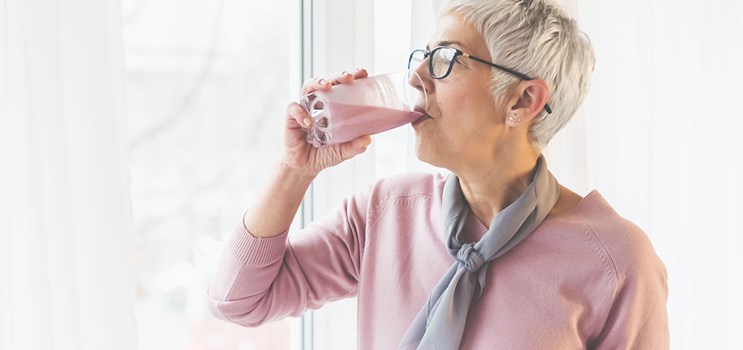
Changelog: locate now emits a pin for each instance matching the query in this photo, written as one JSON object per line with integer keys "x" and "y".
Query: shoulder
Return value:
{"x": 626, "y": 246}
{"x": 407, "y": 185}
{"x": 634, "y": 314}
{"x": 407, "y": 194}
{"x": 369, "y": 202}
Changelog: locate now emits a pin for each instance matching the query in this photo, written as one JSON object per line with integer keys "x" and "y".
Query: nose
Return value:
{"x": 419, "y": 98}
{"x": 422, "y": 80}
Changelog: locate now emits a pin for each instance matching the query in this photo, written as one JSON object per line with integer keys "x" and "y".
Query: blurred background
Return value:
{"x": 135, "y": 133}
{"x": 205, "y": 92}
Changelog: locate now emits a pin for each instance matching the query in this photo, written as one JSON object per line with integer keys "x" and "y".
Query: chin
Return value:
{"x": 426, "y": 154}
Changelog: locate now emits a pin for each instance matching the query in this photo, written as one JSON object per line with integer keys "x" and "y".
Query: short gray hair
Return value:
{"x": 539, "y": 39}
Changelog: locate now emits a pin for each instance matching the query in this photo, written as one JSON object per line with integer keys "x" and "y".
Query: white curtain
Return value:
{"x": 659, "y": 137}
{"x": 661, "y": 134}
{"x": 64, "y": 209}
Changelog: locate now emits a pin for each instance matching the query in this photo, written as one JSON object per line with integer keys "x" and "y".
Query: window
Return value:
{"x": 206, "y": 87}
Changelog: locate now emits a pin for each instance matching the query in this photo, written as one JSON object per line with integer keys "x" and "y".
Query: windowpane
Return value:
{"x": 207, "y": 84}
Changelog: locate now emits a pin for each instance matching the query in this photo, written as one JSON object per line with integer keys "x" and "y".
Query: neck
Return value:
{"x": 493, "y": 184}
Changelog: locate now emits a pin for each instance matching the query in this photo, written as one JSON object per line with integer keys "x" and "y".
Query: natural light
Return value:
{"x": 136, "y": 134}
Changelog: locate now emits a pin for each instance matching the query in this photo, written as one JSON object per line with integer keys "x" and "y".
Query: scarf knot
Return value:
{"x": 470, "y": 257}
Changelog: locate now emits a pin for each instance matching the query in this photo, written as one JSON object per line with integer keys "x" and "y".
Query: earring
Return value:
{"x": 514, "y": 120}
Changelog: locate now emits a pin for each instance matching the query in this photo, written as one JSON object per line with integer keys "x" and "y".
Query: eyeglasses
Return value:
{"x": 442, "y": 58}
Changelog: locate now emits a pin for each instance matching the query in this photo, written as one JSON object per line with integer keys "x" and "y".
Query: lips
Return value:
{"x": 425, "y": 116}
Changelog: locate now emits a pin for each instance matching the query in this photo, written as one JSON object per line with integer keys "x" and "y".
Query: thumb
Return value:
{"x": 356, "y": 147}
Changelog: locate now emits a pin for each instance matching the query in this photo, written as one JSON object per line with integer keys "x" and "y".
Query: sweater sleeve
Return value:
{"x": 259, "y": 280}
{"x": 637, "y": 317}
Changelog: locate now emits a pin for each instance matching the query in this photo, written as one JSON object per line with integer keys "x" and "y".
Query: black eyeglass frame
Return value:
{"x": 458, "y": 52}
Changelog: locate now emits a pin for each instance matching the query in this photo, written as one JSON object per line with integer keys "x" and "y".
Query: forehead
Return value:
{"x": 452, "y": 28}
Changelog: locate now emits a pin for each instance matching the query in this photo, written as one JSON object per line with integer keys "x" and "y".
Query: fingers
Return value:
{"x": 315, "y": 84}
{"x": 345, "y": 77}
{"x": 362, "y": 142}
{"x": 360, "y": 73}
{"x": 298, "y": 116}
{"x": 353, "y": 148}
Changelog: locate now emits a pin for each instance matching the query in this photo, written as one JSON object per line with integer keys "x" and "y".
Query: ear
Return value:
{"x": 527, "y": 101}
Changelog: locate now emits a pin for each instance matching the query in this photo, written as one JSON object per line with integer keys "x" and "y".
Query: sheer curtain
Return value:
{"x": 658, "y": 136}
{"x": 662, "y": 145}
{"x": 64, "y": 210}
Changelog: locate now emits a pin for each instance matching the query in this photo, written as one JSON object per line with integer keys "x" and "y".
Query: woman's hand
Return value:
{"x": 301, "y": 156}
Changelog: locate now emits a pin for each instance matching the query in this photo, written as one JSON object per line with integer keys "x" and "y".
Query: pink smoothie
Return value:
{"x": 348, "y": 122}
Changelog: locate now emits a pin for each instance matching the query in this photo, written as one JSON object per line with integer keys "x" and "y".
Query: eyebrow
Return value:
{"x": 446, "y": 43}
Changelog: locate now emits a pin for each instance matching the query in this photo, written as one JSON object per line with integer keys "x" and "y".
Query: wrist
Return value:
{"x": 298, "y": 175}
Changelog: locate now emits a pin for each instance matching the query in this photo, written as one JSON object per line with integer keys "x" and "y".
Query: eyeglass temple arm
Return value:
{"x": 511, "y": 71}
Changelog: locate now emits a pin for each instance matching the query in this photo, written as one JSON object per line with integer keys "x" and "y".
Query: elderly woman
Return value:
{"x": 497, "y": 255}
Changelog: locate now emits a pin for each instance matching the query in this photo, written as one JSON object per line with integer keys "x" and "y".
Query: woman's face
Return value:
{"x": 466, "y": 126}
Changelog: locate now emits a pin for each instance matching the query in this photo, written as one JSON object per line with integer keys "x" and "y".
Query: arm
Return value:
{"x": 262, "y": 276}
{"x": 263, "y": 279}
{"x": 275, "y": 210}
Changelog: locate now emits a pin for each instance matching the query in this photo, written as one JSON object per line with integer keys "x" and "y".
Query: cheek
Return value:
{"x": 454, "y": 107}
{"x": 466, "y": 112}
{"x": 452, "y": 95}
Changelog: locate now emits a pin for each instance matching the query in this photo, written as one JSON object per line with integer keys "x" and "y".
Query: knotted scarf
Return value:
{"x": 440, "y": 322}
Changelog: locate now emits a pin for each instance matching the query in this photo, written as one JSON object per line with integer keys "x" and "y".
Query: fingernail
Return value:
{"x": 359, "y": 69}
{"x": 306, "y": 121}
{"x": 345, "y": 73}
{"x": 322, "y": 81}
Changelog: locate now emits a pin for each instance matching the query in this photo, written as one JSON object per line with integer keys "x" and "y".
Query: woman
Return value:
{"x": 497, "y": 255}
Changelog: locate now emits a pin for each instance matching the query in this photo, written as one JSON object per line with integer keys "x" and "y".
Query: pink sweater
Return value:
{"x": 586, "y": 278}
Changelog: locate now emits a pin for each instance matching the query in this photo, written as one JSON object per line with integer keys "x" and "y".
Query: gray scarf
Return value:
{"x": 440, "y": 323}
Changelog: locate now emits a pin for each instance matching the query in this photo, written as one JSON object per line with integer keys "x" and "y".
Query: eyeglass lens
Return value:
{"x": 440, "y": 61}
